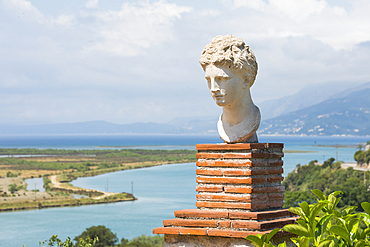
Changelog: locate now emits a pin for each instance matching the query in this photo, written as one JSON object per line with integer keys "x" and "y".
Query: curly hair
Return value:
{"x": 230, "y": 51}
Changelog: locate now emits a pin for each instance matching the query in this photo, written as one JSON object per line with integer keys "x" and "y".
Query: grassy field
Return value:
{"x": 70, "y": 161}
{"x": 59, "y": 167}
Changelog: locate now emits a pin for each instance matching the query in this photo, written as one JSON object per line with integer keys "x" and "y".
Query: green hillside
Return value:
{"x": 328, "y": 178}
{"x": 349, "y": 115}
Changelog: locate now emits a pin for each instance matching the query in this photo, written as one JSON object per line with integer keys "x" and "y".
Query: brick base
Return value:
{"x": 239, "y": 193}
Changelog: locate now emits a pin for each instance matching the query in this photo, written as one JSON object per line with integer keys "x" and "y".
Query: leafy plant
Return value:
{"x": 55, "y": 241}
{"x": 321, "y": 224}
{"x": 264, "y": 240}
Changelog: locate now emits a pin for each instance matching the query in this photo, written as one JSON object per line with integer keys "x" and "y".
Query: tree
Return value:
{"x": 105, "y": 236}
{"x": 143, "y": 241}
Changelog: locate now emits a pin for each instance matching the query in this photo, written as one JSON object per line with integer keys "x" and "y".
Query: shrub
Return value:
{"x": 321, "y": 224}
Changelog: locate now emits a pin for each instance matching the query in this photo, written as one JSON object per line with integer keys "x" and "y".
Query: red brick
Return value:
{"x": 275, "y": 145}
{"x": 233, "y": 189}
{"x": 223, "y": 163}
{"x": 263, "y": 215}
{"x": 275, "y": 171}
{"x": 209, "y": 156}
{"x": 230, "y": 163}
{"x": 225, "y": 146}
{"x": 237, "y": 155}
{"x": 224, "y": 198}
{"x": 224, "y": 224}
{"x": 276, "y": 196}
{"x": 193, "y": 231}
{"x": 230, "y": 233}
{"x": 238, "y": 173}
{"x": 266, "y": 155}
{"x": 210, "y": 172}
{"x": 276, "y": 204}
{"x": 269, "y": 189}
{"x": 166, "y": 230}
{"x": 259, "y": 205}
{"x": 259, "y": 163}
{"x": 270, "y": 224}
{"x": 196, "y": 213}
{"x": 227, "y": 180}
{"x": 209, "y": 188}
{"x": 190, "y": 223}
{"x": 252, "y": 190}
{"x": 275, "y": 179}
{"x": 262, "y": 225}
{"x": 276, "y": 163}
{"x": 223, "y": 205}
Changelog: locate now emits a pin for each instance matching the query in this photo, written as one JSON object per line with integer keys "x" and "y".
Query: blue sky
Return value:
{"x": 137, "y": 61}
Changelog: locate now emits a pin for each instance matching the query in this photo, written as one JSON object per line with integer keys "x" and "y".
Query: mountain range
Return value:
{"x": 330, "y": 109}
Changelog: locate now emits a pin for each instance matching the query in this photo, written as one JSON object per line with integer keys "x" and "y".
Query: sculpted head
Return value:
{"x": 232, "y": 53}
{"x": 230, "y": 69}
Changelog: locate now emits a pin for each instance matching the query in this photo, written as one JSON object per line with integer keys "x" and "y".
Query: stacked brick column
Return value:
{"x": 240, "y": 176}
{"x": 239, "y": 193}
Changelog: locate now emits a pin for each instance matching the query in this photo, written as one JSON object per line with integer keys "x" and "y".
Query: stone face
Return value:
{"x": 230, "y": 70}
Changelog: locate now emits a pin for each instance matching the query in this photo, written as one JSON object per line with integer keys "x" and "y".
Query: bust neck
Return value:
{"x": 239, "y": 122}
{"x": 238, "y": 112}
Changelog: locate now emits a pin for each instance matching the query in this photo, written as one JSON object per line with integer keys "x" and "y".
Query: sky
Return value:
{"x": 138, "y": 61}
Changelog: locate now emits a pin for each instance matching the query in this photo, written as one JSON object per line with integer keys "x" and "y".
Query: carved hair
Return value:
{"x": 230, "y": 51}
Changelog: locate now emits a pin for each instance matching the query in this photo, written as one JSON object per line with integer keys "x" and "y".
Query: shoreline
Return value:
{"x": 95, "y": 196}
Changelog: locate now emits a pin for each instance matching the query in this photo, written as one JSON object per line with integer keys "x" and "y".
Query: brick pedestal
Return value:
{"x": 239, "y": 193}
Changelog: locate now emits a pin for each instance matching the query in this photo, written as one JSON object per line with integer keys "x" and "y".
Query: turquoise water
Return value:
{"x": 35, "y": 184}
{"x": 161, "y": 190}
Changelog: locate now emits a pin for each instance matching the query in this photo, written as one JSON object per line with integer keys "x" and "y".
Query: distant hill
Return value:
{"x": 192, "y": 126}
{"x": 306, "y": 97}
{"x": 327, "y": 111}
{"x": 348, "y": 115}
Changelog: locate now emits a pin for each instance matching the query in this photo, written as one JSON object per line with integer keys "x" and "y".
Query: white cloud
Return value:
{"x": 332, "y": 25}
{"x": 139, "y": 61}
{"x": 136, "y": 26}
{"x": 92, "y": 4}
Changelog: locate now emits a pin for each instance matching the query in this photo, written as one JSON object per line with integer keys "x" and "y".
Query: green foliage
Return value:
{"x": 100, "y": 159}
{"x": 85, "y": 239}
{"x": 362, "y": 157}
{"x": 143, "y": 241}
{"x": 13, "y": 188}
{"x": 264, "y": 240}
{"x": 328, "y": 178}
{"x": 11, "y": 175}
{"x": 105, "y": 236}
{"x": 55, "y": 241}
{"x": 47, "y": 181}
{"x": 322, "y": 224}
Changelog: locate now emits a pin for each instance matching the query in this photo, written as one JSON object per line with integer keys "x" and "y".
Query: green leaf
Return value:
{"x": 342, "y": 232}
{"x": 319, "y": 194}
{"x": 305, "y": 242}
{"x": 337, "y": 213}
{"x": 351, "y": 223}
{"x": 255, "y": 240}
{"x": 325, "y": 243}
{"x": 366, "y": 207}
{"x": 271, "y": 234}
{"x": 296, "y": 229}
{"x": 314, "y": 211}
{"x": 360, "y": 243}
{"x": 348, "y": 210}
{"x": 297, "y": 211}
{"x": 302, "y": 223}
{"x": 335, "y": 193}
{"x": 305, "y": 208}
{"x": 282, "y": 244}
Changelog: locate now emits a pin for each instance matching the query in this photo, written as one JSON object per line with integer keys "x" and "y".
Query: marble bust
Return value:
{"x": 230, "y": 69}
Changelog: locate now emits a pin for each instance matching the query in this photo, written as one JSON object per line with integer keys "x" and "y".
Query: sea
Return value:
{"x": 160, "y": 190}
